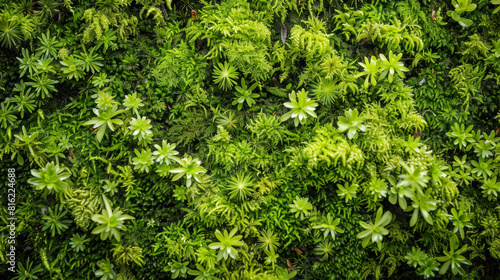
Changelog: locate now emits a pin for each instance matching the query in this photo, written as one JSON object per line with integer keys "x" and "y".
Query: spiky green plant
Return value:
{"x": 133, "y": 102}
{"x": 189, "y": 167}
{"x": 301, "y": 207}
{"x": 110, "y": 222}
{"x": 301, "y": 106}
{"x": 143, "y": 160}
{"x": 376, "y": 230}
{"x": 78, "y": 242}
{"x": 55, "y": 222}
{"x": 28, "y": 272}
{"x": 329, "y": 226}
{"x": 10, "y": 33}
{"x": 49, "y": 178}
{"x": 105, "y": 270}
{"x": 269, "y": 240}
{"x": 225, "y": 75}
{"x": 240, "y": 187}
{"x": 391, "y": 66}
{"x": 226, "y": 244}
{"x": 351, "y": 123}
{"x": 166, "y": 153}
{"x": 104, "y": 119}
{"x": 244, "y": 93}
{"x": 370, "y": 69}
{"x": 140, "y": 128}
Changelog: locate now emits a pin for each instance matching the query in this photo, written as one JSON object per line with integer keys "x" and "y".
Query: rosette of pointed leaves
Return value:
{"x": 48, "y": 46}
{"x": 391, "y": 66}
{"x": 105, "y": 119}
{"x": 370, "y": 69}
{"x": 351, "y": 123}
{"x": 166, "y": 153}
{"x": 271, "y": 257}
{"x": 189, "y": 167}
{"x": 300, "y": 207}
{"x": 462, "y": 135}
{"x": 163, "y": 170}
{"x": 460, "y": 220}
{"x": 428, "y": 267}
{"x": 284, "y": 274}
{"x": 377, "y": 188}
{"x": 133, "y": 102}
{"x": 484, "y": 149}
{"x": 225, "y": 75}
{"x": 324, "y": 249}
{"x": 72, "y": 68}
{"x": 90, "y": 61}
{"x": 28, "y": 272}
{"x": 140, "y": 127}
{"x": 27, "y": 63}
{"x": 422, "y": 204}
{"x": 10, "y": 34}
{"x": 226, "y": 244}
{"x": 44, "y": 65}
{"x": 375, "y": 231}
{"x": 105, "y": 270}
{"x": 110, "y": 222}
{"x": 105, "y": 99}
{"x": 414, "y": 178}
{"x": 177, "y": 269}
{"x": 245, "y": 93}
{"x": 269, "y": 240}
{"x": 7, "y": 115}
{"x": 301, "y": 106}
{"x": 416, "y": 257}
{"x": 110, "y": 187}
{"x": 399, "y": 193}
{"x": 329, "y": 226}
{"x": 240, "y": 186}
{"x": 204, "y": 273}
{"x": 484, "y": 168}
{"x": 43, "y": 86}
{"x": 346, "y": 191}
{"x": 100, "y": 80}
{"x": 453, "y": 258}
{"x": 25, "y": 102}
{"x": 78, "y": 242}
{"x": 49, "y": 178}
{"x": 491, "y": 188}
{"x": 143, "y": 160}
{"x": 54, "y": 221}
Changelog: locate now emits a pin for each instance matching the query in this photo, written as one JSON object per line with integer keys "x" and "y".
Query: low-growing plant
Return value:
{"x": 301, "y": 207}
{"x": 226, "y": 244}
{"x": 104, "y": 119}
{"x": 352, "y": 123}
{"x": 49, "y": 178}
{"x": 110, "y": 222}
{"x": 78, "y": 242}
{"x": 329, "y": 226}
{"x": 55, "y": 222}
{"x": 301, "y": 106}
{"x": 190, "y": 168}
{"x": 375, "y": 231}
{"x": 245, "y": 94}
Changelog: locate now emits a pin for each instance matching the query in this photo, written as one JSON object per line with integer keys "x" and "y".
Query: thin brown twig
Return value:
{"x": 50, "y": 24}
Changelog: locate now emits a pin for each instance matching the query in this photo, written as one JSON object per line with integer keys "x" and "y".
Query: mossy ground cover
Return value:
{"x": 280, "y": 139}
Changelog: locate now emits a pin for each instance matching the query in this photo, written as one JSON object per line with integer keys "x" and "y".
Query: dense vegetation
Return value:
{"x": 259, "y": 139}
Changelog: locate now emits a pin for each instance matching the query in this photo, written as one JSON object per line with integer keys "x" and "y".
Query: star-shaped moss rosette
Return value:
{"x": 301, "y": 106}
